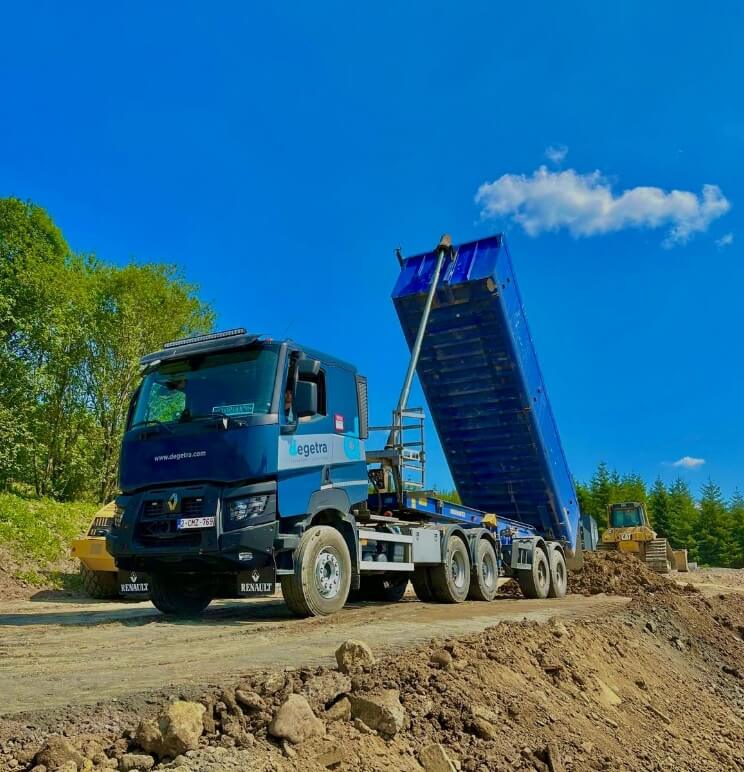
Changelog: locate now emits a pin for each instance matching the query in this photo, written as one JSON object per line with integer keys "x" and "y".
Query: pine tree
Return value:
{"x": 658, "y": 508}
{"x": 630, "y": 488}
{"x": 717, "y": 546}
{"x": 683, "y": 519}
{"x": 736, "y": 515}
{"x": 600, "y": 494}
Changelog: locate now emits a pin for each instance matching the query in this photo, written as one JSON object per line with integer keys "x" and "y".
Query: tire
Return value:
{"x": 421, "y": 581}
{"x": 450, "y": 581}
{"x": 484, "y": 580}
{"x": 535, "y": 582}
{"x": 179, "y": 595}
{"x": 101, "y": 585}
{"x": 322, "y": 574}
{"x": 388, "y": 588}
{"x": 558, "y": 575}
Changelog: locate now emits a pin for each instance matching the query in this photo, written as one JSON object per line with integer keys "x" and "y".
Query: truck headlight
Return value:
{"x": 239, "y": 510}
{"x": 118, "y": 515}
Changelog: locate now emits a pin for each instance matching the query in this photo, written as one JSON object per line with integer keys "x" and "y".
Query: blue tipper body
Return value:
{"x": 483, "y": 385}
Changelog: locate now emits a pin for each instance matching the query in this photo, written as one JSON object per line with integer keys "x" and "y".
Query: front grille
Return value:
{"x": 153, "y": 508}
{"x": 192, "y": 507}
{"x": 154, "y": 532}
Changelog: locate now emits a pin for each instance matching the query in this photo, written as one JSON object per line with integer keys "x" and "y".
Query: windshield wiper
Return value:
{"x": 215, "y": 414}
{"x": 152, "y": 422}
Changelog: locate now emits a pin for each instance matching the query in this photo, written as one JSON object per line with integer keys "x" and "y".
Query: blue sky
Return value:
{"x": 279, "y": 152}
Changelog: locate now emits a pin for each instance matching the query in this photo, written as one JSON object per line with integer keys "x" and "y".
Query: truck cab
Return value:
{"x": 234, "y": 445}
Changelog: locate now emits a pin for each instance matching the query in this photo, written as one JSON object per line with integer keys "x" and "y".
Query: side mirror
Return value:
{"x": 306, "y": 399}
{"x": 308, "y": 368}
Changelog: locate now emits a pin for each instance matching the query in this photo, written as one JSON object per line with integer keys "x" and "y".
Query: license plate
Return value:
{"x": 194, "y": 522}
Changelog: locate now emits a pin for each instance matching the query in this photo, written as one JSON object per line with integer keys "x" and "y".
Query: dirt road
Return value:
{"x": 56, "y": 653}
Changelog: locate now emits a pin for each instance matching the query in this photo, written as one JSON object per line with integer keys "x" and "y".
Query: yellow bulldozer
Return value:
{"x": 97, "y": 567}
{"x": 630, "y": 531}
{"x": 101, "y": 579}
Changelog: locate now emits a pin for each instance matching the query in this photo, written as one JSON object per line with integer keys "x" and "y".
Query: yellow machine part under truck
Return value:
{"x": 97, "y": 567}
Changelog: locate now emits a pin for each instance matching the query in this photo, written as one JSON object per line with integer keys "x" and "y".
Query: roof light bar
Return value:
{"x": 202, "y": 338}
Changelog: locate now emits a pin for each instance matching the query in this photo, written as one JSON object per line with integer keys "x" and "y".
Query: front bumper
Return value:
{"x": 149, "y": 539}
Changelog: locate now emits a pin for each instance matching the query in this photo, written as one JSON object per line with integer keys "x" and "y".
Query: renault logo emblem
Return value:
{"x": 173, "y": 502}
{"x": 255, "y": 575}
{"x": 133, "y": 577}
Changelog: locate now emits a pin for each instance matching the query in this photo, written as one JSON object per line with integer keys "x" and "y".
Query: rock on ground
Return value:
{"x": 326, "y": 687}
{"x": 176, "y": 730}
{"x": 339, "y": 711}
{"x": 381, "y": 711}
{"x": 56, "y": 752}
{"x": 132, "y": 761}
{"x": 352, "y": 655}
{"x": 433, "y": 758}
{"x": 295, "y": 721}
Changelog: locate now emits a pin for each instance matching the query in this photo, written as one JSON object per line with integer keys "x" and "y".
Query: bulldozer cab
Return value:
{"x": 628, "y": 514}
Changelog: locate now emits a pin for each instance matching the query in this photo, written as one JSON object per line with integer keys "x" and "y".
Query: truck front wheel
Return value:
{"x": 322, "y": 573}
{"x": 179, "y": 595}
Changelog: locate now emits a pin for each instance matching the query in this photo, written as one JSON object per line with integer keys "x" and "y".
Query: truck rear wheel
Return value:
{"x": 101, "y": 585}
{"x": 535, "y": 582}
{"x": 421, "y": 581}
{"x": 558, "y": 575}
{"x": 179, "y": 595}
{"x": 450, "y": 581}
{"x": 322, "y": 573}
{"x": 389, "y": 588}
{"x": 484, "y": 580}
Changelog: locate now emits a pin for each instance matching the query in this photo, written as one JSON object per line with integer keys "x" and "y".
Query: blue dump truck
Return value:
{"x": 247, "y": 462}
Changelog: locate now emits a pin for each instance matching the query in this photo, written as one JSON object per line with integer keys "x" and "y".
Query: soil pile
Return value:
{"x": 659, "y": 686}
{"x": 616, "y": 573}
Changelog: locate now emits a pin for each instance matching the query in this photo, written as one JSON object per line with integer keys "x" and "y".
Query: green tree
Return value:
{"x": 716, "y": 540}
{"x": 600, "y": 494}
{"x": 658, "y": 508}
{"x": 135, "y": 310}
{"x": 683, "y": 519}
{"x": 630, "y": 487}
{"x": 72, "y": 330}
{"x": 736, "y": 515}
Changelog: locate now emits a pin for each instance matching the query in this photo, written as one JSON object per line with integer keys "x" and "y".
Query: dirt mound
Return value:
{"x": 615, "y": 573}
{"x": 660, "y": 686}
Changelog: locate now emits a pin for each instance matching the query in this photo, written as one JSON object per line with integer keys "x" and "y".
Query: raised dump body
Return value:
{"x": 482, "y": 381}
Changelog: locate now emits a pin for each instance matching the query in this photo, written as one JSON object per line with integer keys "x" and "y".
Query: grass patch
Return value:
{"x": 39, "y": 531}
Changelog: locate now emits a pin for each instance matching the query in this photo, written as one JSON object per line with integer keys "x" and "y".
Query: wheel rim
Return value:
{"x": 457, "y": 569}
{"x": 542, "y": 572}
{"x": 560, "y": 574}
{"x": 327, "y": 573}
{"x": 488, "y": 569}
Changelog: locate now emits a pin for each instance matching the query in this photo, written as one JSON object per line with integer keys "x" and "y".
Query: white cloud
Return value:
{"x": 556, "y": 154}
{"x": 725, "y": 241}
{"x": 689, "y": 462}
{"x": 586, "y": 205}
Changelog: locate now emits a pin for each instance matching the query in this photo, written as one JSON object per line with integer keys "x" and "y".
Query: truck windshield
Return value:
{"x": 235, "y": 384}
{"x": 626, "y": 518}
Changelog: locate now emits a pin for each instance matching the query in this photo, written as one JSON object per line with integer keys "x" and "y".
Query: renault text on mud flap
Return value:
{"x": 252, "y": 584}
{"x": 134, "y": 584}
{"x": 181, "y": 455}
